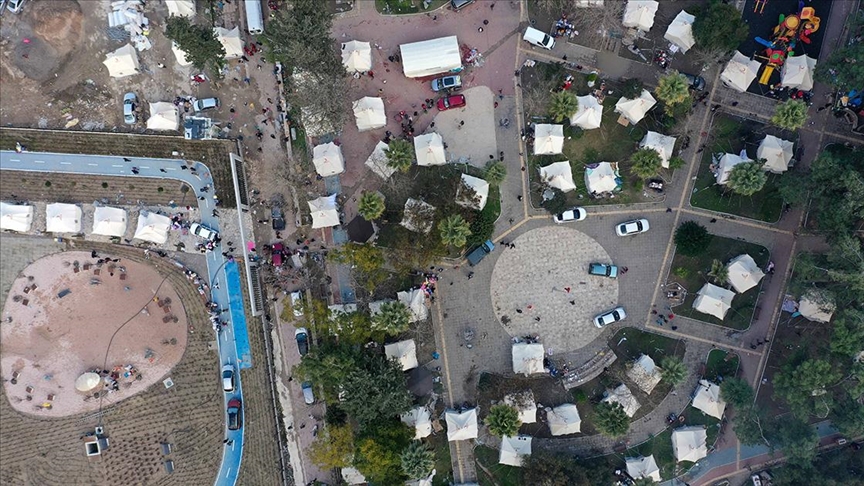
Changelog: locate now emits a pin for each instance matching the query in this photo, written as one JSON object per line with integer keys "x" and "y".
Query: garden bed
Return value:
{"x": 443, "y": 467}
{"x": 402, "y": 7}
{"x": 720, "y": 365}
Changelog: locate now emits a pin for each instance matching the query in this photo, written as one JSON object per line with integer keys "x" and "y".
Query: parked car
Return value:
{"x": 538, "y": 38}
{"x": 278, "y": 218}
{"x": 446, "y": 82}
{"x": 205, "y": 104}
{"x": 458, "y": 5}
{"x": 228, "y": 378}
{"x": 276, "y": 254}
{"x": 308, "y": 396}
{"x": 603, "y": 270}
{"x": 129, "y": 102}
{"x": 202, "y": 231}
{"x": 15, "y": 6}
{"x": 574, "y": 214}
{"x": 235, "y": 420}
{"x": 480, "y": 252}
{"x": 696, "y": 82}
{"x": 297, "y": 303}
{"x": 302, "y": 338}
{"x": 609, "y": 317}
{"x": 633, "y": 227}
{"x": 453, "y": 101}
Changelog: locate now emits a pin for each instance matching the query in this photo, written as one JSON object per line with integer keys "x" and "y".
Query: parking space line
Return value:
{"x": 39, "y": 161}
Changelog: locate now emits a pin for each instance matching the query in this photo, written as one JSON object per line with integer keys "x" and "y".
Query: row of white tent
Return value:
{"x": 743, "y": 274}
{"x": 428, "y": 150}
{"x": 797, "y": 72}
{"x": 419, "y": 59}
{"x": 777, "y": 153}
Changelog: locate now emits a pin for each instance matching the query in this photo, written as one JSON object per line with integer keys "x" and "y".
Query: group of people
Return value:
{"x": 216, "y": 316}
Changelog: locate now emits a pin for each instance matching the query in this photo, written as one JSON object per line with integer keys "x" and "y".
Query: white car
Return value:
{"x": 632, "y": 227}
{"x": 297, "y": 304}
{"x": 574, "y": 214}
{"x": 202, "y": 231}
{"x": 205, "y": 104}
{"x": 15, "y": 6}
{"x": 228, "y": 378}
{"x": 129, "y": 102}
{"x": 609, "y": 317}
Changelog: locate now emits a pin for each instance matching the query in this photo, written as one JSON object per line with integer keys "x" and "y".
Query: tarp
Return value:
{"x": 625, "y": 397}
{"x": 740, "y": 72}
{"x": 324, "y": 212}
{"x": 635, "y": 109}
{"x": 152, "y": 227}
{"x": 418, "y": 216}
{"x": 798, "y": 72}
{"x": 62, "y": 218}
{"x": 645, "y": 373}
{"x": 564, "y": 419}
{"x": 514, "y": 450}
{"x": 230, "y": 40}
{"x": 643, "y": 467}
{"x": 337, "y": 309}
{"x": 603, "y": 178}
{"x": 816, "y": 306}
{"x": 122, "y": 62}
{"x": 415, "y": 300}
{"x": 461, "y": 426}
{"x": 404, "y": 351}
{"x": 725, "y": 165}
{"x": 527, "y": 358}
{"x": 328, "y": 159}
{"x": 420, "y": 420}
{"x": 375, "y": 306}
{"x": 109, "y": 221}
{"x": 357, "y": 56}
{"x": 680, "y": 31}
{"x": 377, "y": 162}
{"x": 548, "y": 139}
{"x": 16, "y": 217}
{"x": 475, "y": 185}
{"x": 776, "y": 152}
{"x": 433, "y": 56}
{"x": 87, "y": 381}
{"x": 352, "y": 476}
{"x": 589, "y": 114}
{"x": 714, "y": 300}
{"x": 163, "y": 116}
{"x": 708, "y": 399}
{"x": 369, "y": 113}
{"x": 639, "y": 14}
{"x": 663, "y": 144}
{"x": 525, "y": 404}
{"x": 744, "y": 274}
{"x": 429, "y": 149}
{"x": 181, "y": 8}
{"x": 180, "y": 55}
{"x": 688, "y": 443}
{"x": 558, "y": 175}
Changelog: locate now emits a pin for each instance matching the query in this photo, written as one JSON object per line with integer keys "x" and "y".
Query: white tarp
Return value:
{"x": 514, "y": 450}
{"x": 639, "y": 14}
{"x": 725, "y": 165}
{"x": 352, "y": 476}
{"x": 377, "y": 162}
{"x": 635, "y": 109}
{"x": 558, "y": 175}
{"x": 525, "y": 404}
{"x": 324, "y": 212}
{"x": 420, "y": 420}
{"x": 328, "y": 159}
{"x": 357, "y": 56}
{"x": 433, "y": 56}
{"x": 16, "y": 217}
{"x": 230, "y": 40}
{"x": 604, "y": 178}
{"x": 548, "y": 139}
{"x": 109, "y": 221}
{"x": 405, "y": 352}
{"x": 816, "y": 307}
{"x": 87, "y": 381}
{"x": 645, "y": 373}
{"x": 62, "y": 218}
{"x": 418, "y": 216}
{"x": 643, "y": 467}
{"x": 680, "y": 31}
{"x": 152, "y": 227}
{"x": 415, "y": 300}
{"x": 589, "y": 114}
{"x": 625, "y": 397}
{"x": 798, "y": 72}
{"x": 714, "y": 300}
{"x": 708, "y": 399}
{"x": 181, "y": 8}
{"x": 527, "y": 358}
{"x": 740, "y": 72}
{"x": 776, "y": 152}
{"x": 180, "y": 55}
{"x": 375, "y": 306}
{"x": 122, "y": 62}
{"x": 744, "y": 274}
{"x": 338, "y": 309}
{"x": 461, "y": 426}
{"x": 663, "y": 144}
{"x": 163, "y": 116}
{"x": 429, "y": 149}
{"x": 480, "y": 189}
{"x": 688, "y": 443}
{"x": 369, "y": 113}
{"x": 564, "y": 419}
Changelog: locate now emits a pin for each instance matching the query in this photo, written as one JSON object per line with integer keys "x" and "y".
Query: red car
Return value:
{"x": 277, "y": 254}
{"x": 234, "y": 419}
{"x": 454, "y": 101}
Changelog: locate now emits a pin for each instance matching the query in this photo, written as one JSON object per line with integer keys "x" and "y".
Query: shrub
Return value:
{"x": 692, "y": 238}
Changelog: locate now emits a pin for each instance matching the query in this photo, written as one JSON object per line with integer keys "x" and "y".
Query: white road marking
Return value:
{"x": 65, "y": 163}
{"x": 117, "y": 165}
{"x": 39, "y": 161}
{"x": 93, "y": 165}
{"x": 228, "y": 472}
{"x": 14, "y": 160}
{"x": 143, "y": 167}
{"x": 170, "y": 168}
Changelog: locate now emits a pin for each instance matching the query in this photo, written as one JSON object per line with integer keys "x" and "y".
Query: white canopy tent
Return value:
{"x": 688, "y": 443}
{"x": 181, "y": 8}
{"x": 680, "y": 31}
{"x": 377, "y": 162}
{"x": 87, "y": 381}
{"x": 635, "y": 110}
{"x": 744, "y": 274}
{"x": 603, "y": 178}
{"x": 461, "y": 426}
{"x": 714, "y": 300}
{"x": 429, "y": 149}
{"x": 62, "y": 218}
{"x": 324, "y": 212}
{"x": 430, "y": 57}
{"x": 357, "y": 56}
{"x": 415, "y": 300}
{"x": 797, "y": 72}
{"x": 475, "y": 185}
{"x": 230, "y": 40}
{"x": 525, "y": 404}
{"x": 122, "y": 62}
{"x": 514, "y": 450}
{"x": 405, "y": 352}
{"x": 708, "y": 399}
{"x": 369, "y": 113}
{"x": 109, "y": 221}
{"x": 815, "y": 306}
{"x": 625, "y": 397}
{"x": 589, "y": 114}
{"x": 180, "y": 55}
{"x": 725, "y": 165}
{"x": 328, "y": 159}
{"x": 564, "y": 419}
{"x": 776, "y": 152}
{"x": 527, "y": 358}
{"x": 420, "y": 420}
{"x": 645, "y": 373}
{"x": 152, "y": 227}
{"x": 663, "y": 144}
{"x": 558, "y": 175}
{"x": 352, "y": 476}
{"x": 740, "y": 72}
{"x": 163, "y": 116}
{"x": 548, "y": 139}
{"x": 16, "y": 217}
{"x": 643, "y": 467}
{"x": 418, "y": 216}
{"x": 639, "y": 14}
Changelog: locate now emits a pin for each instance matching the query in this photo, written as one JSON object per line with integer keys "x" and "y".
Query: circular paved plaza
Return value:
{"x": 546, "y": 278}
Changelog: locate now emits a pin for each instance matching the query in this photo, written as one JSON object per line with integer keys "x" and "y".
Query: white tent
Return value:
{"x": 558, "y": 175}
{"x": 645, "y": 373}
{"x": 663, "y": 144}
{"x": 525, "y": 404}
{"x": 418, "y": 216}
{"x": 740, "y": 72}
{"x": 152, "y": 227}
{"x": 434, "y": 56}
{"x": 475, "y": 185}
{"x": 815, "y": 306}
{"x": 87, "y": 381}
{"x": 163, "y": 116}
{"x": 15, "y": 217}
{"x": 328, "y": 159}
{"x": 527, "y": 358}
{"x": 357, "y": 56}
{"x": 625, "y": 397}
{"x": 122, "y": 62}
{"x": 725, "y": 165}
{"x": 514, "y": 450}
{"x": 429, "y": 149}
{"x": 415, "y": 300}
{"x": 181, "y": 8}
{"x": 798, "y": 72}
{"x": 420, "y": 419}
{"x": 643, "y": 467}
{"x": 688, "y": 443}
{"x": 564, "y": 419}
{"x": 352, "y": 476}
{"x": 369, "y": 113}
{"x": 680, "y": 31}
{"x": 62, "y": 218}
{"x": 548, "y": 139}
{"x": 405, "y": 352}
{"x": 603, "y": 178}
{"x": 324, "y": 212}
{"x": 639, "y": 14}
{"x": 714, "y": 300}
{"x": 338, "y": 309}
{"x": 461, "y": 426}
{"x": 708, "y": 399}
{"x": 180, "y": 55}
{"x": 109, "y": 221}
{"x": 377, "y": 162}
{"x": 776, "y": 152}
{"x": 635, "y": 109}
{"x": 589, "y": 114}
{"x": 744, "y": 274}
{"x": 230, "y": 40}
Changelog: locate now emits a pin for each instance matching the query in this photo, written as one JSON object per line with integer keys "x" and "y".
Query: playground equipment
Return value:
{"x": 759, "y": 5}
{"x": 790, "y": 29}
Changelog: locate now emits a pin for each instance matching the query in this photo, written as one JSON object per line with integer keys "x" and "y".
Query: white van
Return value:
{"x": 254, "y": 18}
{"x": 538, "y": 38}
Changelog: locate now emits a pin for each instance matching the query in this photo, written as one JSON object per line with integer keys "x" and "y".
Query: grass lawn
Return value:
{"x": 720, "y": 365}
{"x": 691, "y": 273}
{"x": 444, "y": 469}
{"x": 399, "y": 7}
{"x": 661, "y": 447}
{"x": 502, "y": 475}
{"x": 694, "y": 416}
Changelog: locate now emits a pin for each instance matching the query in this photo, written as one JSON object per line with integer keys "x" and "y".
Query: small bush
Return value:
{"x": 580, "y": 396}
{"x": 681, "y": 272}
{"x": 160, "y": 190}
{"x": 692, "y": 238}
{"x": 47, "y": 183}
{"x": 104, "y": 185}
{"x": 131, "y": 187}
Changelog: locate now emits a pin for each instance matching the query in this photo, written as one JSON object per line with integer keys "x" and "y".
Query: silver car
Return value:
{"x": 609, "y": 317}
{"x": 129, "y": 102}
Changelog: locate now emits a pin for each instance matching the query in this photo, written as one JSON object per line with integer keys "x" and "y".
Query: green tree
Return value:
{"x": 790, "y": 115}
{"x": 366, "y": 262}
{"x": 495, "y": 173}
{"x": 691, "y": 238}
{"x": 327, "y": 365}
{"x": 747, "y": 178}
{"x": 844, "y": 68}
{"x": 562, "y": 105}
{"x": 370, "y": 206}
{"x": 503, "y": 421}
{"x": 454, "y": 231}
{"x": 546, "y": 469}
{"x": 378, "y": 452}
{"x": 673, "y": 89}
{"x": 393, "y": 318}
{"x": 672, "y": 369}
{"x": 300, "y": 37}
{"x": 557, "y": 204}
{"x": 632, "y": 88}
{"x": 720, "y": 27}
{"x": 400, "y": 154}
{"x": 847, "y": 333}
{"x": 611, "y": 420}
{"x": 751, "y": 425}
{"x": 333, "y": 448}
{"x": 719, "y": 273}
{"x": 802, "y": 384}
{"x": 645, "y": 163}
{"x": 375, "y": 390}
{"x": 793, "y": 187}
{"x": 798, "y": 441}
{"x": 848, "y": 417}
{"x": 737, "y": 392}
{"x": 417, "y": 460}
{"x": 200, "y": 44}
{"x": 837, "y": 191}
{"x": 676, "y": 163}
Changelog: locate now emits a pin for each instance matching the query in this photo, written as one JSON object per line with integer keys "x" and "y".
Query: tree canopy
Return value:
{"x": 836, "y": 186}
{"x": 334, "y": 447}
{"x": 417, "y": 460}
{"x": 844, "y": 67}
{"x": 673, "y": 370}
{"x": 495, "y": 172}
{"x": 611, "y": 419}
{"x": 798, "y": 440}
{"x": 378, "y": 452}
{"x": 400, "y": 154}
{"x": 802, "y": 384}
{"x": 545, "y": 469}
{"x": 454, "y": 231}
{"x": 673, "y": 89}
{"x": 393, "y": 318}
{"x": 790, "y": 115}
{"x": 503, "y": 421}
{"x": 375, "y": 390}
{"x": 562, "y": 105}
{"x": 200, "y": 44}
{"x": 747, "y": 178}
{"x": 645, "y": 163}
{"x": 691, "y": 238}
{"x": 720, "y": 27}
{"x": 370, "y": 206}
{"x": 366, "y": 261}
{"x": 328, "y": 365}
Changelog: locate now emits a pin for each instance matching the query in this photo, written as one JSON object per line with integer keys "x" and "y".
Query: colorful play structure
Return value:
{"x": 790, "y": 30}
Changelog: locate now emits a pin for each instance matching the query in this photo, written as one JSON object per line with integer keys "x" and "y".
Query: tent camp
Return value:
{"x": 639, "y": 14}
{"x": 369, "y": 113}
{"x": 525, "y": 404}
{"x": 461, "y": 426}
{"x": 180, "y": 55}
{"x": 714, "y": 300}
{"x": 429, "y": 149}
{"x": 776, "y": 152}
{"x": 602, "y": 177}
{"x": 798, "y": 72}
{"x": 430, "y": 57}
{"x": 688, "y": 443}
{"x": 625, "y": 397}
{"x": 404, "y": 351}
{"x": 816, "y": 306}
{"x": 558, "y": 175}
{"x": 122, "y": 62}
{"x": 109, "y": 221}
{"x": 643, "y": 467}
{"x": 420, "y": 420}
{"x": 62, "y": 218}
{"x": 708, "y": 399}
{"x": 726, "y": 163}
{"x": 472, "y": 192}
{"x": 514, "y": 450}
{"x": 645, "y": 373}
{"x": 324, "y": 212}
{"x": 740, "y": 72}
{"x": 152, "y": 227}
{"x": 230, "y": 40}
{"x": 377, "y": 162}
{"x": 181, "y": 8}
{"x": 357, "y": 56}
{"x": 635, "y": 110}
{"x": 744, "y": 274}
{"x": 328, "y": 159}
{"x": 589, "y": 114}
{"x": 415, "y": 300}
{"x": 663, "y": 144}
{"x": 564, "y": 419}
{"x": 163, "y": 116}
{"x": 16, "y": 217}
{"x": 527, "y": 358}
{"x": 418, "y": 216}
{"x": 680, "y": 31}
{"x": 548, "y": 139}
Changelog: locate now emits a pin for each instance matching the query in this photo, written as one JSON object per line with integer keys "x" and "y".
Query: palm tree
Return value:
{"x": 645, "y": 163}
{"x": 417, "y": 460}
{"x": 673, "y": 370}
{"x": 562, "y": 105}
{"x": 371, "y": 205}
{"x": 503, "y": 421}
{"x": 495, "y": 172}
{"x": 454, "y": 231}
{"x": 747, "y": 178}
{"x": 673, "y": 89}
{"x": 611, "y": 419}
{"x": 392, "y": 318}
{"x": 400, "y": 155}
{"x": 790, "y": 115}
{"x": 719, "y": 272}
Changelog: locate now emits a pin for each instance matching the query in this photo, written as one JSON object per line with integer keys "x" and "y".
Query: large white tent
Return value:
{"x": 477, "y": 188}
{"x": 816, "y": 306}
{"x": 798, "y": 72}
{"x": 122, "y": 62}
{"x": 420, "y": 420}
{"x": 589, "y": 114}
{"x": 16, "y": 217}
{"x": 643, "y": 467}
{"x": 152, "y": 227}
{"x": 109, "y": 221}
{"x": 663, "y": 144}
{"x": 680, "y": 31}
{"x": 230, "y": 40}
{"x": 708, "y": 399}
{"x": 369, "y": 113}
{"x": 548, "y": 139}
{"x": 430, "y": 57}
{"x": 625, "y": 397}
{"x": 639, "y": 14}
{"x": 688, "y": 443}
{"x": 645, "y": 374}
{"x": 357, "y": 56}
{"x": 62, "y": 218}
{"x": 603, "y": 178}
{"x": 744, "y": 274}
{"x": 352, "y": 476}
{"x": 418, "y": 216}
{"x": 776, "y": 152}
{"x": 404, "y": 351}
{"x": 514, "y": 450}
{"x": 635, "y": 109}
{"x": 564, "y": 419}
{"x": 415, "y": 300}
{"x": 461, "y": 426}
{"x": 726, "y": 163}
{"x": 527, "y": 358}
{"x": 429, "y": 149}
{"x": 87, "y": 381}
{"x": 324, "y": 212}
{"x": 180, "y": 54}
{"x": 328, "y": 159}
{"x": 714, "y": 300}
{"x": 740, "y": 72}
{"x": 163, "y": 116}
{"x": 377, "y": 162}
{"x": 558, "y": 175}
{"x": 524, "y": 404}
{"x": 181, "y": 8}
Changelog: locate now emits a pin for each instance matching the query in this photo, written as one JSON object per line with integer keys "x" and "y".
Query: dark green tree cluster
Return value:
{"x": 719, "y": 27}
{"x": 844, "y": 68}
{"x": 691, "y": 238}
{"x": 546, "y": 469}
{"x": 836, "y": 185}
{"x": 200, "y": 44}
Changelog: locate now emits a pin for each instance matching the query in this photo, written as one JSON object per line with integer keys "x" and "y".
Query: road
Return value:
{"x": 216, "y": 263}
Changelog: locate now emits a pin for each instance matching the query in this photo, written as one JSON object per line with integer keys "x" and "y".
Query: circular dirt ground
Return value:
{"x": 546, "y": 277}
{"x": 48, "y": 340}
